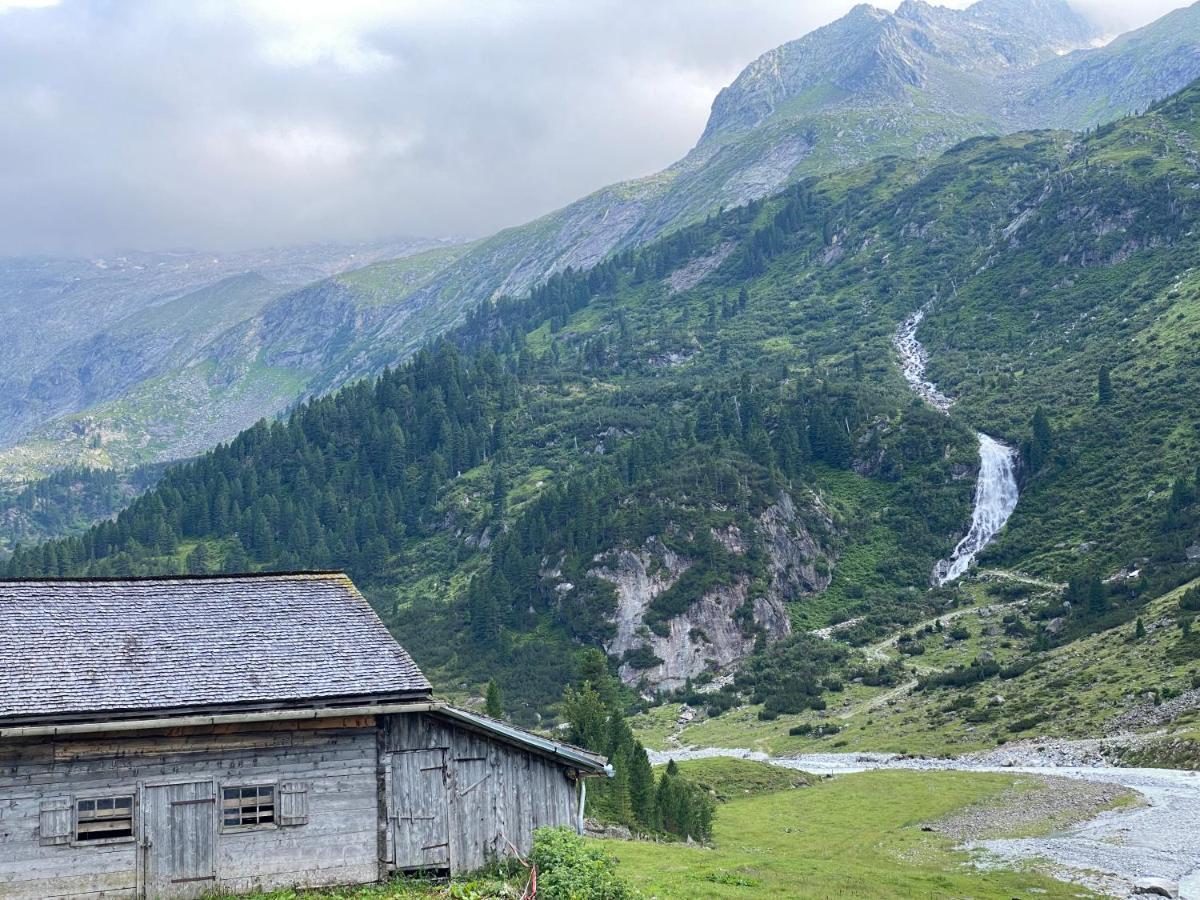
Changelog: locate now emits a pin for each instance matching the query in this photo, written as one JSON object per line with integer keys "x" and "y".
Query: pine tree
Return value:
{"x": 586, "y": 716}
{"x": 1096, "y": 600}
{"x": 620, "y": 804}
{"x": 1041, "y": 442}
{"x": 1103, "y": 387}
{"x": 493, "y": 703}
{"x": 641, "y": 788}
{"x": 198, "y": 562}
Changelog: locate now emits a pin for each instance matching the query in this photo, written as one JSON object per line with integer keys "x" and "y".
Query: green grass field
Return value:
{"x": 853, "y": 836}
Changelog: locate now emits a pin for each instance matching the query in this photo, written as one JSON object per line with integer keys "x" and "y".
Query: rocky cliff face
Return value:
{"x": 722, "y": 627}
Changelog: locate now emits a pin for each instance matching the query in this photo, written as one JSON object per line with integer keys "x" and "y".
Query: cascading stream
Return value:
{"x": 995, "y": 499}
{"x": 996, "y": 490}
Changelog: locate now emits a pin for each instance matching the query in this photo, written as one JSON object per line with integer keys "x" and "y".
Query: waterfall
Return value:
{"x": 995, "y": 499}
{"x": 996, "y": 490}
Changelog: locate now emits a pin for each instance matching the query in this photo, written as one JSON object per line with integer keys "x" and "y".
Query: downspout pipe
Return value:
{"x": 579, "y": 829}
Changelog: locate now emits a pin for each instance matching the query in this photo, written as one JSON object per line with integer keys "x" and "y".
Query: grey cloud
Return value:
{"x": 224, "y": 124}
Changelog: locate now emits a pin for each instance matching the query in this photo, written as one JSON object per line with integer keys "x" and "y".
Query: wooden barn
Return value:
{"x": 168, "y": 737}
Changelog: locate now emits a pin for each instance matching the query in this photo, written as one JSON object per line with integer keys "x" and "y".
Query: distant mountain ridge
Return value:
{"x": 90, "y": 345}
{"x": 873, "y": 83}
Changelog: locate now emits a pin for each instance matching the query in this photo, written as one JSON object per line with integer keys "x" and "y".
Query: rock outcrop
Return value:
{"x": 720, "y": 628}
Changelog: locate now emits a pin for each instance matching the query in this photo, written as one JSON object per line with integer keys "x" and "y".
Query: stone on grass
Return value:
{"x": 1156, "y": 887}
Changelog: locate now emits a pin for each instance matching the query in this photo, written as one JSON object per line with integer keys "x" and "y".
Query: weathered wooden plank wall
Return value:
{"x": 476, "y": 798}
{"x": 335, "y": 758}
{"x": 497, "y": 793}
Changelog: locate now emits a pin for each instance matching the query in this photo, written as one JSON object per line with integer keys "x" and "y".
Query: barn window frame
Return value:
{"x": 242, "y": 824}
{"x": 124, "y": 803}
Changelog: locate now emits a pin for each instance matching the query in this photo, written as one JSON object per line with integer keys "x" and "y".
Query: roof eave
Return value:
{"x": 299, "y": 707}
{"x": 586, "y": 763}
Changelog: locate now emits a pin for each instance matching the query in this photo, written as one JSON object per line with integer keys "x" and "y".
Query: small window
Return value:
{"x": 248, "y": 807}
{"x": 103, "y": 819}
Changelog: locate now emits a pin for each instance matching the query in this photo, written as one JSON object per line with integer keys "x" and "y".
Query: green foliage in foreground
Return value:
{"x": 571, "y": 868}
{"x": 568, "y": 867}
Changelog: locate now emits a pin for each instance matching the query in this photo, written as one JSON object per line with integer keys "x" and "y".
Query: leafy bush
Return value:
{"x": 1028, "y": 722}
{"x": 962, "y": 676}
{"x": 1017, "y": 668}
{"x": 641, "y": 658}
{"x": 791, "y": 675}
{"x": 1190, "y": 601}
{"x": 569, "y": 868}
{"x": 805, "y": 729}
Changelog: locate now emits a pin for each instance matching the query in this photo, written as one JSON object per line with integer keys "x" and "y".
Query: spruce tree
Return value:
{"x": 641, "y": 788}
{"x": 1041, "y": 442}
{"x": 1103, "y": 386}
{"x": 493, "y": 703}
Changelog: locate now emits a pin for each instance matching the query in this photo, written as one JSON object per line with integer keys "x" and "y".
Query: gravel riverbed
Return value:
{"x": 1158, "y": 837}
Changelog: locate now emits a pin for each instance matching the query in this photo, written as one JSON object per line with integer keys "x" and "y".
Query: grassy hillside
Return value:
{"x": 1110, "y": 681}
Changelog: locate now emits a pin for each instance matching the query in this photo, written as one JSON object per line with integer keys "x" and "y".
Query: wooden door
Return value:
{"x": 178, "y": 836}
{"x": 472, "y": 792}
{"x": 420, "y": 809}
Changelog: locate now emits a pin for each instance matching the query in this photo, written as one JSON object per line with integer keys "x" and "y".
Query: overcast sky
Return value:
{"x": 222, "y": 124}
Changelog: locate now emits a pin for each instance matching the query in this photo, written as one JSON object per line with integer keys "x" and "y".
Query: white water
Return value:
{"x": 995, "y": 499}
{"x": 913, "y": 360}
{"x": 996, "y": 490}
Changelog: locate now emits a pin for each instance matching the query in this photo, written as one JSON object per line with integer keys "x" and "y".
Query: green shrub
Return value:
{"x": 570, "y": 868}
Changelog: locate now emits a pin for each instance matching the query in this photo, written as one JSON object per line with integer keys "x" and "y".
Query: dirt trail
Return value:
{"x": 1010, "y": 575}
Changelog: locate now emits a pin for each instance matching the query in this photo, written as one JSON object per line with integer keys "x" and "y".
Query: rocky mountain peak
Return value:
{"x": 1051, "y": 24}
{"x": 871, "y": 53}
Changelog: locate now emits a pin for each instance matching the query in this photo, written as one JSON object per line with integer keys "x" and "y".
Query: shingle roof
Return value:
{"x": 69, "y": 648}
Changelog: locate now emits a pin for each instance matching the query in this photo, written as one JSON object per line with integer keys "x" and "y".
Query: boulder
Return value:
{"x": 1156, "y": 887}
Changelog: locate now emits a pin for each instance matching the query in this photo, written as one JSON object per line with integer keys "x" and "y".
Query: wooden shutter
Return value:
{"x": 55, "y": 821}
{"x": 293, "y": 803}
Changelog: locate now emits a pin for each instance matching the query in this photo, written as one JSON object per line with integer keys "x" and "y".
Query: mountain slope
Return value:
{"x": 692, "y": 453}
{"x": 911, "y": 83}
{"x": 88, "y": 341}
